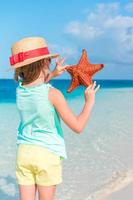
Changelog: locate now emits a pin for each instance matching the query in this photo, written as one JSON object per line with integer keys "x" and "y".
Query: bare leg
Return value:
{"x": 46, "y": 192}
{"x": 27, "y": 192}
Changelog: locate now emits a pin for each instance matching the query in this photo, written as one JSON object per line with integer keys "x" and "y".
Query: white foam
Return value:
{"x": 118, "y": 181}
{"x": 7, "y": 188}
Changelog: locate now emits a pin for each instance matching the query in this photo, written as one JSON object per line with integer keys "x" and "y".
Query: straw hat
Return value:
{"x": 29, "y": 50}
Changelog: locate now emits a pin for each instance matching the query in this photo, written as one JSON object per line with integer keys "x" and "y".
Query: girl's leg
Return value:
{"x": 46, "y": 192}
{"x": 27, "y": 192}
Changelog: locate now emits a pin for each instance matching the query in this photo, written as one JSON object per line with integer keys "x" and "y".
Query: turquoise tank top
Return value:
{"x": 39, "y": 120}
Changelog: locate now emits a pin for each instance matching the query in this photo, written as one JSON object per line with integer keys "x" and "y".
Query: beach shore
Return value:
{"x": 124, "y": 194}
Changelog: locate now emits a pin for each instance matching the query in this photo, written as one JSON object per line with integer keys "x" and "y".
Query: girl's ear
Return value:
{"x": 46, "y": 73}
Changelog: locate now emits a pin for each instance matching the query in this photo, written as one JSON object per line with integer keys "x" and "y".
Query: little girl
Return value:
{"x": 40, "y": 141}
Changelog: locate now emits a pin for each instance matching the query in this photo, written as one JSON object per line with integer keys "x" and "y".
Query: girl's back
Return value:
{"x": 40, "y": 122}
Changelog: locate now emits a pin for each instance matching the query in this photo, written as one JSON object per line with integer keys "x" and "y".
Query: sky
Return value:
{"x": 103, "y": 28}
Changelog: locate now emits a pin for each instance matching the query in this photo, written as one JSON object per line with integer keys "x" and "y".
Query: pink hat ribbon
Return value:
{"x": 20, "y": 57}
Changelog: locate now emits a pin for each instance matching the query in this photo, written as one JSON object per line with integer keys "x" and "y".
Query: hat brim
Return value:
{"x": 32, "y": 60}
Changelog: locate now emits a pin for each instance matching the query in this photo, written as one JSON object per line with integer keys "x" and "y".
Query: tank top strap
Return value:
{"x": 20, "y": 80}
{"x": 49, "y": 85}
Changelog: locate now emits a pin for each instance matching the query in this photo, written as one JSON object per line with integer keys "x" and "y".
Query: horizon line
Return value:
{"x": 70, "y": 79}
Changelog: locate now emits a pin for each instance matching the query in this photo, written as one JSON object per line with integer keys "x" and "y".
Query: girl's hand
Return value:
{"x": 59, "y": 68}
{"x": 90, "y": 93}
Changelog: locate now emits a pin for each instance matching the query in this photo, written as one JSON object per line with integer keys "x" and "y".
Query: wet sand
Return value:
{"x": 124, "y": 194}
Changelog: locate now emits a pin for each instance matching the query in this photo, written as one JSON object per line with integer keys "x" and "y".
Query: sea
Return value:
{"x": 100, "y": 159}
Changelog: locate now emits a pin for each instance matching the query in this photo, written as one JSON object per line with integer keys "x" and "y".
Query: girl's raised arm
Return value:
{"x": 76, "y": 123}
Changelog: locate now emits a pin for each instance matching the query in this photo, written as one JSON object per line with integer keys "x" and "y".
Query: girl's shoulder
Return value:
{"x": 20, "y": 85}
{"x": 55, "y": 95}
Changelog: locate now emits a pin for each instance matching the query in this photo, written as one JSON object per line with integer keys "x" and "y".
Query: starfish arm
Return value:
{"x": 74, "y": 84}
{"x": 84, "y": 59}
{"x": 70, "y": 68}
{"x": 95, "y": 68}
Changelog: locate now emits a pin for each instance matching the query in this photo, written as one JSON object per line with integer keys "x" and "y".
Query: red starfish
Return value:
{"x": 82, "y": 72}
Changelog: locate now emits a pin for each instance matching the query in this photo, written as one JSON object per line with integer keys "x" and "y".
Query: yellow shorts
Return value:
{"x": 37, "y": 165}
